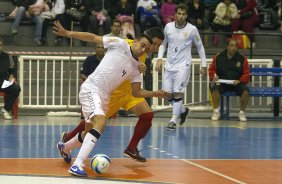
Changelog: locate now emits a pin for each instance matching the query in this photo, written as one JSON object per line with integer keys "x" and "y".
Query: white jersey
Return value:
{"x": 117, "y": 66}
{"x": 179, "y": 42}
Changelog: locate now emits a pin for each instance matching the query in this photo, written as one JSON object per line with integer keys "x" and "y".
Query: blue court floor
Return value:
{"x": 35, "y": 137}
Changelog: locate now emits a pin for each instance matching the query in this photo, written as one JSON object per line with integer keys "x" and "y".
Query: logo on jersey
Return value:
{"x": 91, "y": 101}
{"x": 185, "y": 35}
{"x": 198, "y": 38}
{"x": 238, "y": 64}
{"x": 124, "y": 72}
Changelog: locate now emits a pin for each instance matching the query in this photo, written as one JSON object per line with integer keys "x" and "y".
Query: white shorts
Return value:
{"x": 92, "y": 104}
{"x": 176, "y": 81}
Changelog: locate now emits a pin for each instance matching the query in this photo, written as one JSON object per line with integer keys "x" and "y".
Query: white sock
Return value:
{"x": 241, "y": 112}
{"x": 216, "y": 110}
{"x": 176, "y": 110}
{"x": 174, "y": 118}
{"x": 72, "y": 144}
{"x": 86, "y": 148}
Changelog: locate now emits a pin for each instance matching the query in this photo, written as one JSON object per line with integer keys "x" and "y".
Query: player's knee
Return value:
{"x": 147, "y": 117}
{"x": 177, "y": 97}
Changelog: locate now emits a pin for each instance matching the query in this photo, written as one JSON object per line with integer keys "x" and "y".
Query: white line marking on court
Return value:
{"x": 212, "y": 171}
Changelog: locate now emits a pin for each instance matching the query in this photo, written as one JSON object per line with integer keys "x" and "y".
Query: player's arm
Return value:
{"x": 161, "y": 52}
{"x": 201, "y": 50}
{"x": 138, "y": 92}
{"x": 84, "y": 36}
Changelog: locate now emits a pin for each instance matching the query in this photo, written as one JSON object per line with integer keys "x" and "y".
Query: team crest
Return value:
{"x": 238, "y": 64}
{"x": 185, "y": 35}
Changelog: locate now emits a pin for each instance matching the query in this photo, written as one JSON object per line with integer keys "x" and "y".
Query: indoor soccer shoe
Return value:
{"x": 183, "y": 116}
{"x": 65, "y": 156}
{"x": 77, "y": 171}
{"x": 134, "y": 154}
{"x": 171, "y": 126}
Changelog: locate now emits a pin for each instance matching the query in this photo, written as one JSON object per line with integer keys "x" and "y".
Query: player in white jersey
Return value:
{"x": 120, "y": 63}
{"x": 179, "y": 37}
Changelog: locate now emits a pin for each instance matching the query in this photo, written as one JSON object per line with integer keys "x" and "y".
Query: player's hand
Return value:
{"x": 203, "y": 70}
{"x": 59, "y": 30}
{"x": 142, "y": 67}
{"x": 159, "y": 65}
{"x": 161, "y": 94}
{"x": 236, "y": 82}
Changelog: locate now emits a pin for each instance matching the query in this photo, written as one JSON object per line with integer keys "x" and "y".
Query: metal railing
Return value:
{"x": 52, "y": 82}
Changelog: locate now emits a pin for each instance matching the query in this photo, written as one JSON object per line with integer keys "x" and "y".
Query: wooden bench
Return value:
{"x": 15, "y": 108}
{"x": 275, "y": 91}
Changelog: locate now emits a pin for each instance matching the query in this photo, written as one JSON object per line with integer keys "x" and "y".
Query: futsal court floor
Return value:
{"x": 198, "y": 152}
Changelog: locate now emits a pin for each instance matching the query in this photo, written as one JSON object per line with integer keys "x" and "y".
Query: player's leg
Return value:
{"x": 139, "y": 107}
{"x": 113, "y": 108}
{"x": 180, "y": 81}
{"x": 66, "y": 136}
{"x": 97, "y": 117}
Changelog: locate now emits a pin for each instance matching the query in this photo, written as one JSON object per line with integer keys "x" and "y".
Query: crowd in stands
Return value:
{"x": 97, "y": 16}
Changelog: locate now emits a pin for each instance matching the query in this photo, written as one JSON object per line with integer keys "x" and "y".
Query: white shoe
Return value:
{"x": 6, "y": 114}
{"x": 242, "y": 116}
{"x": 215, "y": 116}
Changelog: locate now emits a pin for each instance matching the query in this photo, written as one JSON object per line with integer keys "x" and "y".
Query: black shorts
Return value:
{"x": 238, "y": 89}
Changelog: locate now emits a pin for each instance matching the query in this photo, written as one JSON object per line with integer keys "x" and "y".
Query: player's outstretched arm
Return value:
{"x": 84, "y": 36}
{"x": 138, "y": 92}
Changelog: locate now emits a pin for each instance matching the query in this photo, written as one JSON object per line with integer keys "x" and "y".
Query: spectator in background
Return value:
{"x": 124, "y": 12}
{"x": 27, "y": 8}
{"x": 148, "y": 12}
{"x": 92, "y": 61}
{"x": 99, "y": 16}
{"x": 224, "y": 13}
{"x": 53, "y": 9}
{"x": 168, "y": 11}
{"x": 231, "y": 65}
{"x": 74, "y": 11}
{"x": 196, "y": 15}
{"x": 8, "y": 72}
{"x": 247, "y": 18}
{"x": 116, "y": 30}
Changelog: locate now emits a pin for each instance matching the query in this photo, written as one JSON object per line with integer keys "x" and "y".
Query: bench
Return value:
{"x": 275, "y": 91}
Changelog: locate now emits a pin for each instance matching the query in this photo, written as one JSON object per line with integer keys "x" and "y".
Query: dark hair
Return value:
{"x": 182, "y": 7}
{"x": 155, "y": 32}
{"x": 148, "y": 37}
{"x": 231, "y": 39}
{"x": 117, "y": 21}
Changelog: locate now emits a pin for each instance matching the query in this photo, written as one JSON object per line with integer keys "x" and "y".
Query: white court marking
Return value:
{"x": 212, "y": 171}
{"x": 9, "y": 179}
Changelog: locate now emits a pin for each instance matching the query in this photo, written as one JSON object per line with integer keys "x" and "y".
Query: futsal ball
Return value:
{"x": 100, "y": 163}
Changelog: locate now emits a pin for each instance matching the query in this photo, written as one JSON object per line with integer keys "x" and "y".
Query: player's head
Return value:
{"x": 157, "y": 36}
{"x": 231, "y": 46}
{"x": 116, "y": 26}
{"x": 141, "y": 45}
{"x": 181, "y": 14}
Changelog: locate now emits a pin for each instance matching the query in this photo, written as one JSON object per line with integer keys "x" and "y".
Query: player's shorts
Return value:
{"x": 177, "y": 80}
{"x": 126, "y": 102}
{"x": 238, "y": 89}
{"x": 92, "y": 104}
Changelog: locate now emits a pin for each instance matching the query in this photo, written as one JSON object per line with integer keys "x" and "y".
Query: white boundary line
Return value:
{"x": 212, "y": 171}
